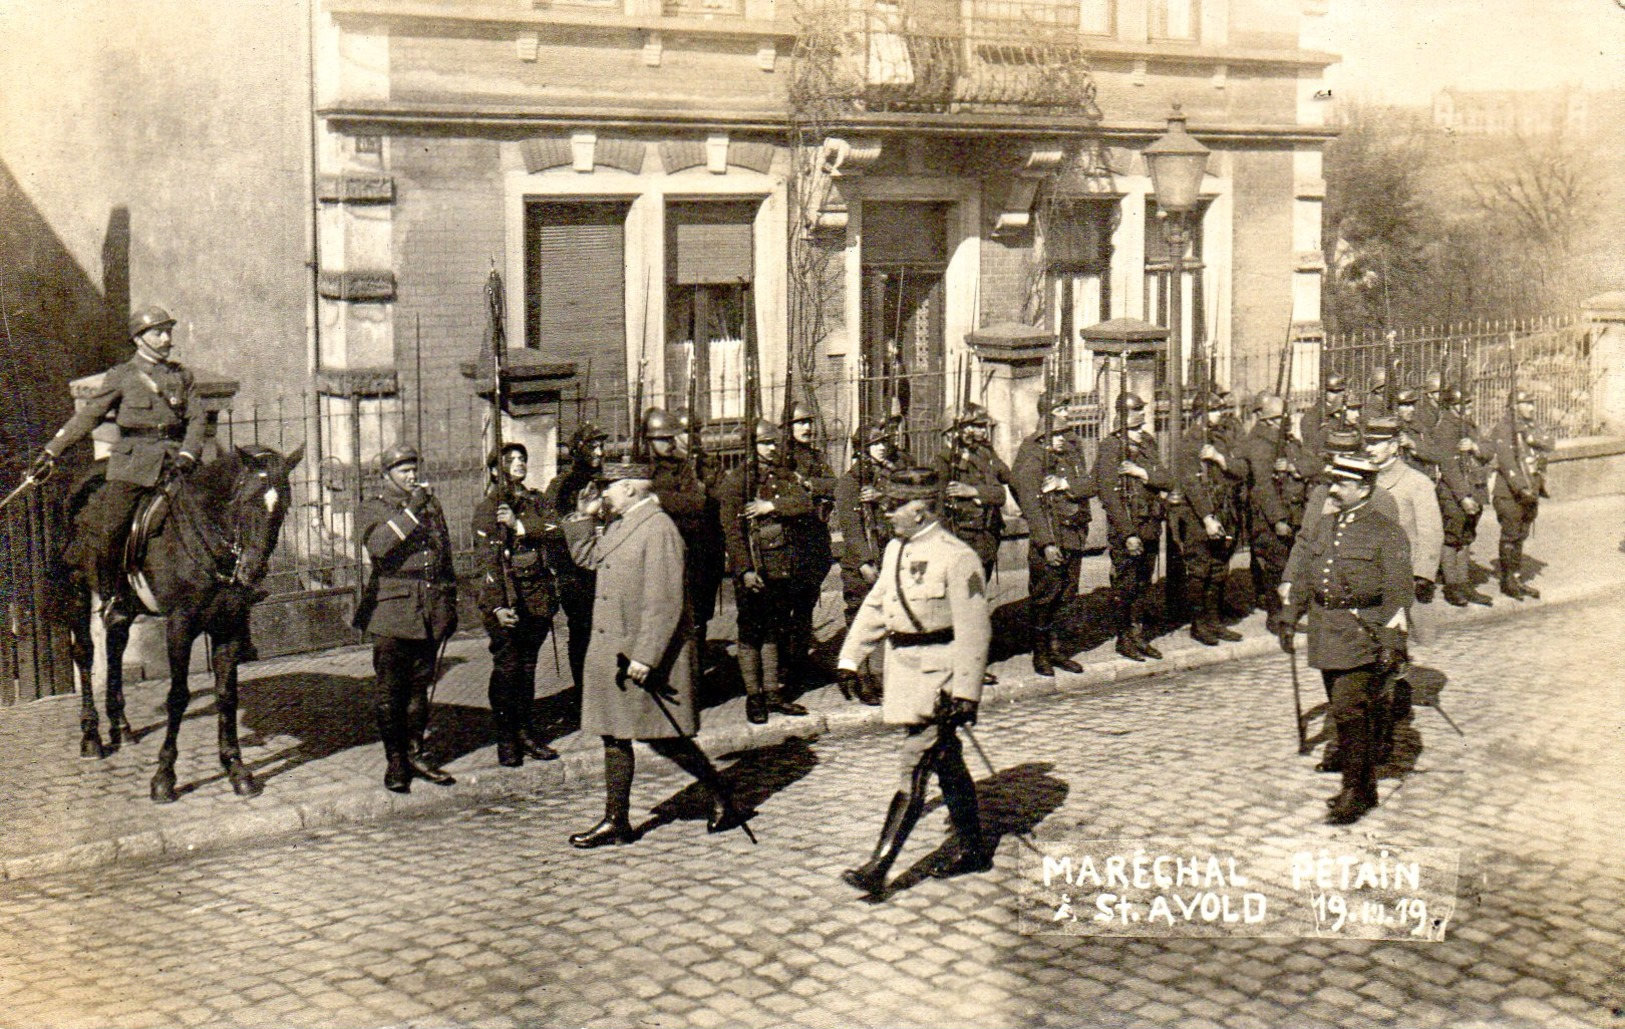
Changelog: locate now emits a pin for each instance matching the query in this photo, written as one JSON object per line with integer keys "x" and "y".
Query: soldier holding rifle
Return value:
{"x": 1130, "y": 482}
{"x": 1275, "y": 500}
{"x": 814, "y": 549}
{"x": 1463, "y": 495}
{"x": 1205, "y": 526}
{"x": 577, "y": 476}
{"x": 859, "y": 502}
{"x": 685, "y": 499}
{"x": 1520, "y": 448}
{"x": 516, "y": 535}
{"x": 1053, "y": 486}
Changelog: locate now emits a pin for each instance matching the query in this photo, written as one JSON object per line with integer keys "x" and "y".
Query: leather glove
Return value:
{"x": 418, "y": 499}
{"x": 848, "y": 681}
{"x": 1287, "y": 637}
{"x": 1389, "y": 659}
{"x": 955, "y": 711}
{"x": 1424, "y": 590}
{"x": 42, "y": 466}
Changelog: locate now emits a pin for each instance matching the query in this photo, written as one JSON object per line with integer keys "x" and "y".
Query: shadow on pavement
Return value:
{"x": 1087, "y": 621}
{"x": 754, "y": 775}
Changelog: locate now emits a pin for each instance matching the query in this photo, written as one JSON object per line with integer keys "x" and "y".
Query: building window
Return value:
{"x": 1175, "y": 20}
{"x": 710, "y": 266}
{"x": 1097, "y": 17}
{"x": 702, "y": 8}
{"x": 575, "y": 273}
{"x": 1078, "y": 258}
{"x": 1159, "y": 267}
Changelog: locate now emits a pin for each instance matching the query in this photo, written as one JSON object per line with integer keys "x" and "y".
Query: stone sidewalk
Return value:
{"x": 307, "y": 726}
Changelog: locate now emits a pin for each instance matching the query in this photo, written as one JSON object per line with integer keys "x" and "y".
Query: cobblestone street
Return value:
{"x": 486, "y": 916}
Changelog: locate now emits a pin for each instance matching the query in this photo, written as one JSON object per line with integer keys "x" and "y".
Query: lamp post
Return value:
{"x": 1176, "y": 163}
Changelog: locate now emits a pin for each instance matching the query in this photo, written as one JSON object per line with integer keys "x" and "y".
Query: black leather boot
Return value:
{"x": 1059, "y": 659}
{"x": 1042, "y": 665}
{"x": 1517, "y": 573}
{"x": 1126, "y": 647}
{"x": 398, "y": 775}
{"x": 870, "y": 877}
{"x": 530, "y": 742}
{"x": 1510, "y": 586}
{"x": 969, "y": 853}
{"x": 1203, "y": 633}
{"x": 776, "y": 702}
{"x": 423, "y": 767}
{"x": 615, "y": 828}
{"x": 1138, "y": 638}
{"x": 750, "y": 670}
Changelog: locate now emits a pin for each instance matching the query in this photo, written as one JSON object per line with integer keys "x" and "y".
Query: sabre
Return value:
{"x": 1021, "y": 834}
{"x": 1297, "y": 701}
{"x": 22, "y": 487}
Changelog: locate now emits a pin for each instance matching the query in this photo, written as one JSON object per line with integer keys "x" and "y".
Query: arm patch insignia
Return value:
{"x": 973, "y": 584}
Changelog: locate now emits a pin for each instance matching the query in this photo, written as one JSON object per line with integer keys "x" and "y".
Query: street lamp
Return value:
{"x": 1176, "y": 163}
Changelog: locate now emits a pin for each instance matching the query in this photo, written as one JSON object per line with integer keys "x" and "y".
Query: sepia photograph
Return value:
{"x": 713, "y": 513}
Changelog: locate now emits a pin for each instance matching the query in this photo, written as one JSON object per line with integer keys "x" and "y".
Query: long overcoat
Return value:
{"x": 638, "y": 612}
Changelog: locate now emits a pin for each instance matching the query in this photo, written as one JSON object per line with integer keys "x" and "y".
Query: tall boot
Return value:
{"x": 959, "y": 795}
{"x": 683, "y": 752}
{"x": 397, "y": 775}
{"x": 870, "y": 877}
{"x": 750, "y": 670}
{"x": 1058, "y": 658}
{"x": 509, "y": 754}
{"x": 616, "y": 826}
{"x": 1510, "y": 586}
{"x": 1212, "y": 601}
{"x": 1042, "y": 663}
{"x": 1137, "y": 637}
{"x": 772, "y": 693}
{"x": 1517, "y": 573}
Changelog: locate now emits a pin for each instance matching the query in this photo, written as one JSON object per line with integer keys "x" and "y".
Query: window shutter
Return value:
{"x": 1078, "y": 234}
{"x": 575, "y": 271}
{"x": 710, "y": 242}
{"x": 905, "y": 233}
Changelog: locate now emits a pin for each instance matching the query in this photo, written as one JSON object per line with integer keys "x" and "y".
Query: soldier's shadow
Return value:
{"x": 1427, "y": 690}
{"x": 754, "y": 776}
{"x": 1012, "y": 802}
{"x": 1087, "y": 621}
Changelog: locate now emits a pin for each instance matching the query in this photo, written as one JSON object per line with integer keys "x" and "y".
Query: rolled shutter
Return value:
{"x": 575, "y": 271}
{"x": 710, "y": 242}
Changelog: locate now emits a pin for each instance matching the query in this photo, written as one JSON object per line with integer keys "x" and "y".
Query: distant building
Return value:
{"x": 1508, "y": 112}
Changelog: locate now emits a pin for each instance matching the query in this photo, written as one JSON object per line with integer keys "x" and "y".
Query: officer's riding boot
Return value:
{"x": 870, "y": 877}
{"x": 508, "y": 753}
{"x": 532, "y": 744}
{"x": 1517, "y": 573}
{"x": 416, "y": 758}
{"x": 1137, "y": 637}
{"x": 1058, "y": 657}
{"x": 1510, "y": 586}
{"x": 397, "y": 775}
{"x": 1212, "y": 602}
{"x": 969, "y": 848}
{"x": 1125, "y": 643}
{"x": 772, "y": 694}
{"x": 750, "y": 670}
{"x": 1042, "y": 663}
{"x": 616, "y": 826}
{"x": 1359, "y": 792}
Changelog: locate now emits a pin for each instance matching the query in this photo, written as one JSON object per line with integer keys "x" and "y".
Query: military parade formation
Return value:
{"x": 1352, "y": 516}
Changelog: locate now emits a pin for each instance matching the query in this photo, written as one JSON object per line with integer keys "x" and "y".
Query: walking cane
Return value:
{"x": 1297, "y": 702}
{"x": 621, "y": 676}
{"x": 1021, "y": 834}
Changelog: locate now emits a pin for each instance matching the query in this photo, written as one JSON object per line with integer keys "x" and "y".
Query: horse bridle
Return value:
{"x": 223, "y": 553}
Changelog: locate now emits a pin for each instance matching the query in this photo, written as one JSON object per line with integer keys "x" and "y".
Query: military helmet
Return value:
{"x": 1434, "y": 383}
{"x": 1130, "y": 402}
{"x": 149, "y": 317}
{"x": 1406, "y": 396}
{"x": 766, "y": 431}
{"x": 800, "y": 412}
{"x": 1335, "y": 383}
{"x": 586, "y": 434}
{"x": 1379, "y": 377}
{"x": 397, "y": 455}
{"x": 657, "y": 424}
{"x": 1521, "y": 396}
{"x": 867, "y": 435}
{"x": 499, "y": 457}
{"x": 1450, "y": 396}
{"x": 684, "y": 418}
{"x": 975, "y": 414}
{"x": 1270, "y": 406}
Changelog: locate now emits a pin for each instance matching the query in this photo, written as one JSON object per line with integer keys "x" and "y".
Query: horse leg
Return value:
{"x": 82, "y": 649}
{"x": 224, "y": 657}
{"x": 178, "y": 636}
{"x": 117, "y": 623}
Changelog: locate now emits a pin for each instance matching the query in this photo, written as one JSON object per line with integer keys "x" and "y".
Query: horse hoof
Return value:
{"x": 163, "y": 788}
{"x": 121, "y": 730}
{"x": 90, "y": 745}
{"x": 243, "y": 782}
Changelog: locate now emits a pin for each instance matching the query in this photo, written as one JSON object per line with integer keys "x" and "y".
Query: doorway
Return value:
{"x": 902, "y": 378}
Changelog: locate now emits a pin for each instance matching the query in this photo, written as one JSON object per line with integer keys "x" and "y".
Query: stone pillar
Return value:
{"x": 1605, "y": 314}
{"x": 1015, "y": 354}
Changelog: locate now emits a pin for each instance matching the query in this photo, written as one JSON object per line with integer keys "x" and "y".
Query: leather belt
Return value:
{"x": 166, "y": 434}
{"x": 921, "y": 639}
{"x": 1345, "y": 604}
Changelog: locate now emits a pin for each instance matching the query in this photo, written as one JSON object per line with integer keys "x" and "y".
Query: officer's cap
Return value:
{"x": 615, "y": 471}
{"x": 1343, "y": 441}
{"x": 397, "y": 455}
{"x": 1406, "y": 396}
{"x": 149, "y": 317}
{"x": 497, "y": 457}
{"x": 1353, "y": 469}
{"x": 1380, "y": 430}
{"x": 906, "y": 484}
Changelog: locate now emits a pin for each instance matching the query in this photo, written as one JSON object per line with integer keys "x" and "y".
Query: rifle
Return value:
{"x": 1390, "y": 389}
{"x": 788, "y": 446}
{"x": 504, "y": 490}
{"x": 752, "y": 408}
{"x": 1047, "y": 444}
{"x": 694, "y": 421}
{"x": 638, "y": 441}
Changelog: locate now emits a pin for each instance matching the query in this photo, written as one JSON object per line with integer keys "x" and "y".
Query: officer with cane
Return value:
{"x": 930, "y": 606}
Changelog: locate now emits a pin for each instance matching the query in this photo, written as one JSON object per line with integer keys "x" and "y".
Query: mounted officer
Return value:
{"x": 1206, "y": 526}
{"x": 859, "y": 507}
{"x": 685, "y": 498}
{"x": 161, "y": 432}
{"x": 516, "y": 535}
{"x": 761, "y": 534}
{"x": 576, "y": 478}
{"x": 1131, "y": 482}
{"x": 1053, "y": 486}
{"x": 409, "y": 607}
{"x": 930, "y": 605}
{"x": 1463, "y": 495}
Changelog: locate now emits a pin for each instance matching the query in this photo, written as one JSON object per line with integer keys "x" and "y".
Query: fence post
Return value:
{"x": 1604, "y": 315}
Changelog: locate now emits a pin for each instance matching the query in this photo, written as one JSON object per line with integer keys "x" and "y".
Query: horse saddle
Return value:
{"x": 150, "y": 512}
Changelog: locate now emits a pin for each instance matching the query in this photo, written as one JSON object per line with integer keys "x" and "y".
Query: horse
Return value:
{"x": 201, "y": 570}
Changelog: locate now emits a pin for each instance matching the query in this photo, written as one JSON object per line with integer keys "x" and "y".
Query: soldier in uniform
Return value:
{"x": 1463, "y": 494}
{"x": 1327, "y": 408}
{"x": 684, "y": 497}
{"x": 759, "y": 528}
{"x": 814, "y": 549}
{"x": 1274, "y": 496}
{"x": 1376, "y": 397}
{"x": 161, "y": 431}
{"x": 1355, "y": 585}
{"x": 930, "y": 606}
{"x": 1418, "y": 503}
{"x": 642, "y": 666}
{"x": 409, "y": 607}
{"x": 1053, "y": 486}
{"x": 1205, "y": 525}
{"x": 859, "y": 496}
{"x": 1130, "y": 481}
{"x": 1429, "y": 407}
{"x": 1520, "y": 449}
{"x": 515, "y": 535}
{"x": 1415, "y": 434}
{"x": 973, "y": 480}
{"x": 578, "y": 475}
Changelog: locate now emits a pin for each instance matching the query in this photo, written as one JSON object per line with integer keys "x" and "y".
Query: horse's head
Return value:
{"x": 259, "y": 503}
